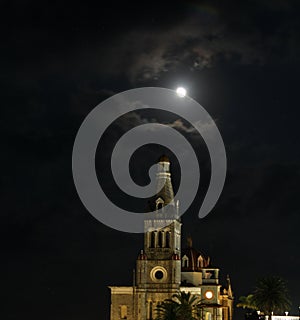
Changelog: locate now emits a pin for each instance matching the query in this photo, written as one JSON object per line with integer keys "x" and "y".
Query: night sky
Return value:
{"x": 238, "y": 59}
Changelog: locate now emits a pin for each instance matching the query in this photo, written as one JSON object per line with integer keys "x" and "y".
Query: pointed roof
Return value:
{"x": 193, "y": 256}
{"x": 229, "y": 290}
{"x": 164, "y": 189}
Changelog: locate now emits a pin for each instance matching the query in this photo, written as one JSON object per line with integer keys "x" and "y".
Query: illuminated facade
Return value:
{"x": 163, "y": 269}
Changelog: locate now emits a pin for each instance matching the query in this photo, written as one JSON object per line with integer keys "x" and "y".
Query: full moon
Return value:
{"x": 181, "y": 92}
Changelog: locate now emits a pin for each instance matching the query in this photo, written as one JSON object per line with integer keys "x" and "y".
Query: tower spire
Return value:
{"x": 164, "y": 186}
{"x": 163, "y": 229}
{"x": 229, "y": 287}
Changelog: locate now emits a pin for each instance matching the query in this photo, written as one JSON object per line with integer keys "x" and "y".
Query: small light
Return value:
{"x": 181, "y": 92}
{"x": 208, "y": 294}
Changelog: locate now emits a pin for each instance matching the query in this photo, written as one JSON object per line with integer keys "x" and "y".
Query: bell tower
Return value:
{"x": 162, "y": 242}
{"x": 163, "y": 269}
{"x": 158, "y": 269}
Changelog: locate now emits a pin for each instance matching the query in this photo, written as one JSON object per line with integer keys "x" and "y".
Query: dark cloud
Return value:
{"x": 239, "y": 59}
{"x": 195, "y": 43}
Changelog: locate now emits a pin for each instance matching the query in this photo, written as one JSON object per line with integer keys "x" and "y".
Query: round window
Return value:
{"x": 159, "y": 275}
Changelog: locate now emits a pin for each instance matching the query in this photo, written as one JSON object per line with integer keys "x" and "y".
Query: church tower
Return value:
{"x": 158, "y": 268}
{"x": 163, "y": 269}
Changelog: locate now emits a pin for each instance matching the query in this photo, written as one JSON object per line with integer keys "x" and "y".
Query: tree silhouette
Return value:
{"x": 271, "y": 295}
{"x": 167, "y": 310}
{"x": 182, "y": 306}
{"x": 246, "y": 302}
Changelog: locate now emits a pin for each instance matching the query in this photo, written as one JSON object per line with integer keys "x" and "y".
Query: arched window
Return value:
{"x": 159, "y": 203}
{"x": 185, "y": 261}
{"x": 207, "y": 316}
{"x": 160, "y": 239}
{"x": 152, "y": 242}
{"x": 149, "y": 310}
{"x": 168, "y": 236}
{"x": 200, "y": 262}
{"x": 123, "y": 312}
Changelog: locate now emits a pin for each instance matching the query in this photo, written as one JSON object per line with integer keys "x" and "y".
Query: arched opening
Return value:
{"x": 207, "y": 316}
{"x": 152, "y": 242}
{"x": 123, "y": 312}
{"x": 185, "y": 262}
{"x": 168, "y": 236}
{"x": 159, "y": 206}
{"x": 200, "y": 262}
{"x": 149, "y": 310}
{"x": 160, "y": 239}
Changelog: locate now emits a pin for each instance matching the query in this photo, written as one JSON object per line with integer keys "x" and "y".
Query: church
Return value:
{"x": 164, "y": 269}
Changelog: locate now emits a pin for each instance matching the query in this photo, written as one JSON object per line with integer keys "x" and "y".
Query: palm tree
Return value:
{"x": 188, "y": 305}
{"x": 246, "y": 302}
{"x": 167, "y": 310}
{"x": 182, "y": 306}
{"x": 271, "y": 295}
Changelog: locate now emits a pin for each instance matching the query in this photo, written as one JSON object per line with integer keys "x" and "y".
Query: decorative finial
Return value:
{"x": 164, "y": 158}
{"x": 189, "y": 241}
{"x": 230, "y": 295}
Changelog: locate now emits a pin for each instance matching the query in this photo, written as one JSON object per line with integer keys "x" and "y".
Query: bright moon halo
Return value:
{"x": 181, "y": 92}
